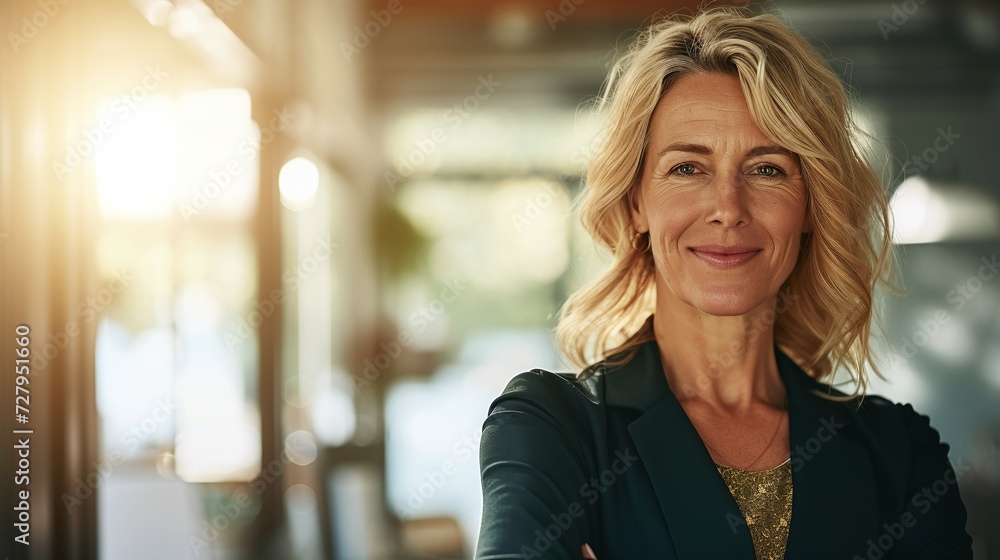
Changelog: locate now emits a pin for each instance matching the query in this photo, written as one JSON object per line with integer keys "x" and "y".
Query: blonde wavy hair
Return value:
{"x": 796, "y": 99}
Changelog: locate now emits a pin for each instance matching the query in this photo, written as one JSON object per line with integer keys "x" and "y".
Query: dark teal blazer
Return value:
{"x": 613, "y": 461}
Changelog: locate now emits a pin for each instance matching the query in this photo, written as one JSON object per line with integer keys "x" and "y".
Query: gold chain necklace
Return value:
{"x": 781, "y": 418}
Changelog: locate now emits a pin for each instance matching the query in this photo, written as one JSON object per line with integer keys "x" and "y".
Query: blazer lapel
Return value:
{"x": 833, "y": 482}
{"x": 703, "y": 518}
{"x": 831, "y": 474}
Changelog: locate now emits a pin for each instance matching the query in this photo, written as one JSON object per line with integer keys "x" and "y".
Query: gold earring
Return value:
{"x": 636, "y": 237}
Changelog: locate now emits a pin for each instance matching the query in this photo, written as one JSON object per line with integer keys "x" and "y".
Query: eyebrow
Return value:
{"x": 705, "y": 150}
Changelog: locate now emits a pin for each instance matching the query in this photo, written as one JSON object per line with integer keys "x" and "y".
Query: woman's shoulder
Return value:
{"x": 561, "y": 397}
{"x": 905, "y": 433}
{"x": 554, "y": 389}
{"x": 918, "y": 467}
{"x": 543, "y": 412}
{"x": 877, "y": 412}
{"x": 886, "y": 415}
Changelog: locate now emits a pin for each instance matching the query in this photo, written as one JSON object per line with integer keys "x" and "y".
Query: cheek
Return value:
{"x": 675, "y": 217}
{"x": 783, "y": 210}
{"x": 673, "y": 211}
{"x": 783, "y": 219}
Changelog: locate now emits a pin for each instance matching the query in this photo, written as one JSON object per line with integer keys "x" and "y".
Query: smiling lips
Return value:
{"x": 725, "y": 256}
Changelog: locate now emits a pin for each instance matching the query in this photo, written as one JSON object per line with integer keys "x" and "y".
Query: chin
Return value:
{"x": 725, "y": 304}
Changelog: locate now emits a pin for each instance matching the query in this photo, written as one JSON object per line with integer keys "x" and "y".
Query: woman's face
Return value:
{"x": 724, "y": 205}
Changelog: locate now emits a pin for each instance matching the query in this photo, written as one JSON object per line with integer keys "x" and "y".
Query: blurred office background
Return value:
{"x": 278, "y": 257}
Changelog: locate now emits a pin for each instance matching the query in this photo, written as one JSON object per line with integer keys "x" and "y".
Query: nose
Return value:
{"x": 726, "y": 201}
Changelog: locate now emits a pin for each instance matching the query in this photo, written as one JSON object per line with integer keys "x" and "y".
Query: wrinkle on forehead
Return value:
{"x": 707, "y": 109}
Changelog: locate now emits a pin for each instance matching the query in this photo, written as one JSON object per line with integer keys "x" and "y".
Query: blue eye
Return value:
{"x": 684, "y": 169}
{"x": 772, "y": 171}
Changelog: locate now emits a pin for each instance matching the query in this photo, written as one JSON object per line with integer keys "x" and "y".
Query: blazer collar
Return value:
{"x": 703, "y": 518}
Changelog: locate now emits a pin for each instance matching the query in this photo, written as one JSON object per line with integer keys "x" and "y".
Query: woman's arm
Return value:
{"x": 532, "y": 471}
{"x": 932, "y": 526}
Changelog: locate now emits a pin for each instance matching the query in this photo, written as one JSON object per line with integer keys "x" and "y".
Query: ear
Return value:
{"x": 637, "y": 207}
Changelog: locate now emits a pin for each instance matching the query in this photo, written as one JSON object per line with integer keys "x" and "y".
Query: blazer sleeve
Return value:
{"x": 936, "y": 528}
{"x": 531, "y": 465}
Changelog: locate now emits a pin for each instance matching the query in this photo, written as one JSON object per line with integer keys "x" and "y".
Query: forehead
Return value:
{"x": 702, "y": 106}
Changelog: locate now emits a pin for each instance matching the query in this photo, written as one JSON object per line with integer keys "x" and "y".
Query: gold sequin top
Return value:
{"x": 765, "y": 498}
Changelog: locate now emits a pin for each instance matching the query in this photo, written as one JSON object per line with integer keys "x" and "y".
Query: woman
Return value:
{"x": 749, "y": 235}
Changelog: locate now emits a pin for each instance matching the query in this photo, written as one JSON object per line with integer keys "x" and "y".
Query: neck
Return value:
{"x": 726, "y": 363}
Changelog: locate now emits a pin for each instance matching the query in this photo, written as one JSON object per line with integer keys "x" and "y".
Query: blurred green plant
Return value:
{"x": 400, "y": 248}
